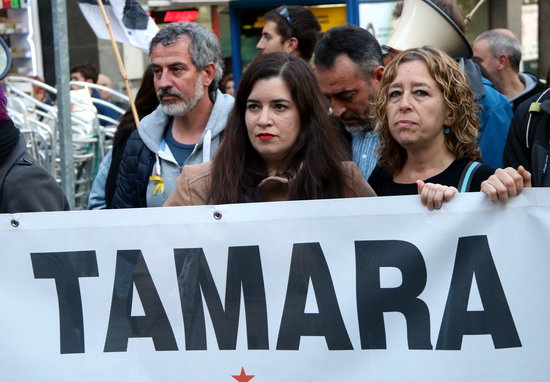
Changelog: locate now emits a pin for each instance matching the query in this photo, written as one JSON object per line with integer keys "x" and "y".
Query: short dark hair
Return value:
{"x": 298, "y": 22}
{"x": 357, "y": 43}
{"x": 88, "y": 71}
{"x": 237, "y": 166}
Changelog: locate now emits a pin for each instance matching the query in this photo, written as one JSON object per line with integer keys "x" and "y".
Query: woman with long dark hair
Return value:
{"x": 279, "y": 144}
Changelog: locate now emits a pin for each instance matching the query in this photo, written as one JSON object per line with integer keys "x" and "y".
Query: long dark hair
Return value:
{"x": 313, "y": 164}
{"x": 146, "y": 102}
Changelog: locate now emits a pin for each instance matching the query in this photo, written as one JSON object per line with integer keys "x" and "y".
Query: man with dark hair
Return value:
{"x": 187, "y": 126}
{"x": 84, "y": 73}
{"x": 350, "y": 78}
{"x": 498, "y": 53}
{"x": 88, "y": 73}
{"x": 291, "y": 29}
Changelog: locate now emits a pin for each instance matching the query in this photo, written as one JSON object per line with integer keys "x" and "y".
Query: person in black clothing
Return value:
{"x": 528, "y": 142}
{"x": 25, "y": 186}
{"x": 498, "y": 53}
{"x": 428, "y": 126}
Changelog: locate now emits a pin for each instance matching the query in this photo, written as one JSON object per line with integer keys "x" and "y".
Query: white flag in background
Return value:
{"x": 129, "y": 21}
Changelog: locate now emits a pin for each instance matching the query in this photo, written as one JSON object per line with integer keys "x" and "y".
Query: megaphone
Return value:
{"x": 423, "y": 23}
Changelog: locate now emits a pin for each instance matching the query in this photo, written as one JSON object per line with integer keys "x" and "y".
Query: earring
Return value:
{"x": 447, "y": 130}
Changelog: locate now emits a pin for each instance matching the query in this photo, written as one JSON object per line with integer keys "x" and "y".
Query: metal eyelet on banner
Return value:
{"x": 14, "y": 223}
{"x": 217, "y": 215}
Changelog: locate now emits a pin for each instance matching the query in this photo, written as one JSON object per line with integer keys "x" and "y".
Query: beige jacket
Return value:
{"x": 193, "y": 185}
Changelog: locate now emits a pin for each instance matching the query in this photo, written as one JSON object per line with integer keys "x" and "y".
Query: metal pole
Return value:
{"x": 61, "y": 58}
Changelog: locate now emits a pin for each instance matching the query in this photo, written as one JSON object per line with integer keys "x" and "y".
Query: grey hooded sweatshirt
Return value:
{"x": 165, "y": 170}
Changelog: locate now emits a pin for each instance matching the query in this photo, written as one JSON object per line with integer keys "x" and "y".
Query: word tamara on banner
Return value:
{"x": 244, "y": 271}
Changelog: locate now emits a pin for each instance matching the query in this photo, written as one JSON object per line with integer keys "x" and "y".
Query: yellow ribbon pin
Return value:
{"x": 535, "y": 107}
{"x": 159, "y": 185}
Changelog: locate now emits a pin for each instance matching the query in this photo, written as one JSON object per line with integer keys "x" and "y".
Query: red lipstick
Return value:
{"x": 265, "y": 136}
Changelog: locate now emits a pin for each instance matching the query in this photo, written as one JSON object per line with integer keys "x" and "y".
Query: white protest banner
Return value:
{"x": 373, "y": 289}
{"x": 130, "y": 23}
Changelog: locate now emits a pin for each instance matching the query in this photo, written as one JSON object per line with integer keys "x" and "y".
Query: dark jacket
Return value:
{"x": 529, "y": 147}
{"x": 533, "y": 86}
{"x": 26, "y": 186}
{"x": 118, "y": 150}
{"x": 136, "y": 166}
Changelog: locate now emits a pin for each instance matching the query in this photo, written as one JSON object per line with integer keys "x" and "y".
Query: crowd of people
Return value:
{"x": 351, "y": 122}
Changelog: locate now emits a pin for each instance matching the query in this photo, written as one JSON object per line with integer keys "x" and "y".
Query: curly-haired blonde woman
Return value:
{"x": 428, "y": 126}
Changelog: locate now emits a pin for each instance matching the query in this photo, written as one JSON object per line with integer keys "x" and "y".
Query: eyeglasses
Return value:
{"x": 285, "y": 15}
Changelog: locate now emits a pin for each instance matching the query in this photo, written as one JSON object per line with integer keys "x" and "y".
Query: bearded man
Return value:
{"x": 186, "y": 127}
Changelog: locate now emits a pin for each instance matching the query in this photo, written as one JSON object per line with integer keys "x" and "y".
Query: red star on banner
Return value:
{"x": 243, "y": 377}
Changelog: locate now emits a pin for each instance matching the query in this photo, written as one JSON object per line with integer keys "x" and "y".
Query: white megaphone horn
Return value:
{"x": 423, "y": 23}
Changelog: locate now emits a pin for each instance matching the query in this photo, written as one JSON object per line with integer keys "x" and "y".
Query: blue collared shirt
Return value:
{"x": 363, "y": 146}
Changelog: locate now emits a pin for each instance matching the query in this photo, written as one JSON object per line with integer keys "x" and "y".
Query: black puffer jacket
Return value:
{"x": 133, "y": 177}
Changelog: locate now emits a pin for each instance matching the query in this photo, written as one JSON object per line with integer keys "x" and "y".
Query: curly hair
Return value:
{"x": 461, "y": 140}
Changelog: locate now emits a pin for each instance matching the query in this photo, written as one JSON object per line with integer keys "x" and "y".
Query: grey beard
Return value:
{"x": 368, "y": 125}
{"x": 182, "y": 107}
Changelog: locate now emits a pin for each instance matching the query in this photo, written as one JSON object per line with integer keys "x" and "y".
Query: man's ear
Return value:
{"x": 208, "y": 74}
{"x": 503, "y": 61}
{"x": 292, "y": 45}
{"x": 377, "y": 74}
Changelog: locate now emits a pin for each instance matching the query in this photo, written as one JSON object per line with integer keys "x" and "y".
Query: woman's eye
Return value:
{"x": 394, "y": 94}
{"x": 252, "y": 106}
{"x": 280, "y": 107}
{"x": 421, "y": 93}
